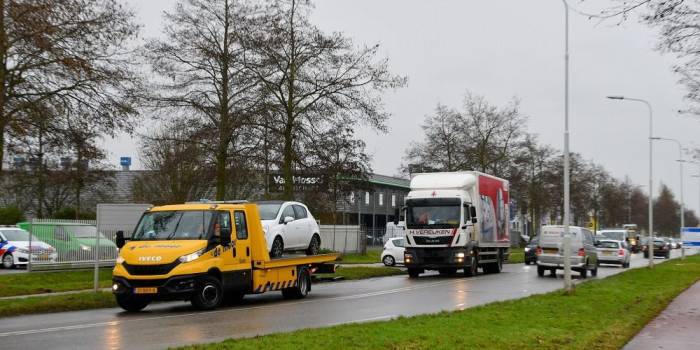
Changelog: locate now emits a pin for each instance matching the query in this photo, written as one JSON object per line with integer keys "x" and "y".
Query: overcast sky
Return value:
{"x": 504, "y": 49}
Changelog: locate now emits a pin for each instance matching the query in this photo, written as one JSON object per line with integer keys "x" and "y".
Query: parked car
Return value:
{"x": 584, "y": 256}
{"x": 14, "y": 248}
{"x": 530, "y": 251}
{"x": 393, "y": 251}
{"x": 613, "y": 252}
{"x": 661, "y": 248}
{"x": 72, "y": 241}
{"x": 289, "y": 226}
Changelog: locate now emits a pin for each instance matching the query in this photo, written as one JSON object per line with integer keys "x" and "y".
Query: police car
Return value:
{"x": 14, "y": 248}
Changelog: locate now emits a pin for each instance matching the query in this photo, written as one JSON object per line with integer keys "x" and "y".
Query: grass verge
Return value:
{"x": 50, "y": 282}
{"x": 603, "y": 314}
{"x": 372, "y": 256}
{"x": 358, "y": 272}
{"x": 56, "y": 303}
{"x": 517, "y": 256}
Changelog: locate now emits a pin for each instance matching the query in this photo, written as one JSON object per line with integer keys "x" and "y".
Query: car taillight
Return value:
{"x": 538, "y": 251}
{"x": 621, "y": 252}
{"x": 581, "y": 252}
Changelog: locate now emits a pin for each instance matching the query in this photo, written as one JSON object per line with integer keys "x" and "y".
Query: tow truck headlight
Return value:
{"x": 407, "y": 258}
{"x": 459, "y": 255}
{"x": 191, "y": 257}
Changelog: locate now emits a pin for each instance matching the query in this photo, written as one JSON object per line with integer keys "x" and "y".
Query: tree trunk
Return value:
{"x": 78, "y": 181}
{"x": 4, "y": 120}
{"x": 288, "y": 156}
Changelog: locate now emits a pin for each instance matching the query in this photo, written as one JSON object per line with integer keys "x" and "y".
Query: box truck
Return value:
{"x": 456, "y": 220}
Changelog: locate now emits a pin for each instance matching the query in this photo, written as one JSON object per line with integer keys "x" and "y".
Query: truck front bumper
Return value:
{"x": 436, "y": 258}
{"x": 173, "y": 288}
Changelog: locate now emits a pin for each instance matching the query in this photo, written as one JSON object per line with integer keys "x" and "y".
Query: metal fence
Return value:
{"x": 60, "y": 244}
{"x": 341, "y": 238}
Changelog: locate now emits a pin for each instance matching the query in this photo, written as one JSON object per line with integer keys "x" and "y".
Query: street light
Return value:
{"x": 680, "y": 161}
{"x": 568, "y": 285}
{"x": 651, "y": 184}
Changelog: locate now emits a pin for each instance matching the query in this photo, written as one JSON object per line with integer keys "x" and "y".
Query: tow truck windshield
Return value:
{"x": 614, "y": 235}
{"x": 175, "y": 225}
{"x": 433, "y": 213}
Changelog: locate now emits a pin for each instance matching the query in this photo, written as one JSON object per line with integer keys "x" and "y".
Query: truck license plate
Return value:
{"x": 146, "y": 290}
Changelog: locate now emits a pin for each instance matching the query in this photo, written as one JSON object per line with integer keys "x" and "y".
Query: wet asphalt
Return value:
{"x": 176, "y": 323}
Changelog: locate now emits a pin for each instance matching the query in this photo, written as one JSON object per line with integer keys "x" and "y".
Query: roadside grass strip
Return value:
{"x": 50, "y": 282}
{"x": 57, "y": 303}
{"x": 602, "y": 314}
{"x": 372, "y": 256}
{"x": 517, "y": 256}
{"x": 359, "y": 273}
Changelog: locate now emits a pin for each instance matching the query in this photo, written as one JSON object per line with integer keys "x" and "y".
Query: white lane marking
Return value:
{"x": 115, "y": 323}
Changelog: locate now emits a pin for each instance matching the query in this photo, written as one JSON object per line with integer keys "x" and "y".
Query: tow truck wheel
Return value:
{"x": 540, "y": 271}
{"x": 131, "y": 302}
{"x": 314, "y": 246}
{"x": 277, "y": 247}
{"x": 208, "y": 293}
{"x": 302, "y": 288}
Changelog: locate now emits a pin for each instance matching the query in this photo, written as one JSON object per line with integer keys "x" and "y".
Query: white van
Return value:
{"x": 550, "y": 250}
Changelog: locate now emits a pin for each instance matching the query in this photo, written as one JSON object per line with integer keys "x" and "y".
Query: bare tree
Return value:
{"x": 65, "y": 53}
{"x": 314, "y": 79}
{"x": 203, "y": 78}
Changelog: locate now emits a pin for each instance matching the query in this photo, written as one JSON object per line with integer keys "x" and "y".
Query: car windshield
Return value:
{"x": 15, "y": 235}
{"x": 616, "y": 235}
{"x": 268, "y": 211}
{"x": 165, "y": 225}
{"x": 433, "y": 213}
{"x": 613, "y": 245}
{"x": 83, "y": 231}
{"x": 659, "y": 243}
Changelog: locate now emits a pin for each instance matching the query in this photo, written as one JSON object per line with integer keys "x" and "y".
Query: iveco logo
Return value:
{"x": 150, "y": 258}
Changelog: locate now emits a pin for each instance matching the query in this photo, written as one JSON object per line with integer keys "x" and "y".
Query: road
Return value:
{"x": 173, "y": 324}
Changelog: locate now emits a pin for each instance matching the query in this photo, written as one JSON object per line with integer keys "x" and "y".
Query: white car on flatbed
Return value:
{"x": 289, "y": 226}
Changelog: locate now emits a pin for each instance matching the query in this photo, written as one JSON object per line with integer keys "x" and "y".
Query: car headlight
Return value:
{"x": 191, "y": 257}
{"x": 85, "y": 248}
{"x": 120, "y": 259}
{"x": 527, "y": 249}
{"x": 23, "y": 251}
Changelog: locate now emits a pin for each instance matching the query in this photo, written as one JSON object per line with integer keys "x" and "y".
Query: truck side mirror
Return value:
{"x": 119, "y": 240}
{"x": 472, "y": 213}
{"x": 396, "y": 216}
{"x": 225, "y": 239}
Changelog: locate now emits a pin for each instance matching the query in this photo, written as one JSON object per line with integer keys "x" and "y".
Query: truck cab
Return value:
{"x": 204, "y": 253}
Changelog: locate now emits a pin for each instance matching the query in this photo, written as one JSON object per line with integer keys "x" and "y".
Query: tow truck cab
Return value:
{"x": 205, "y": 253}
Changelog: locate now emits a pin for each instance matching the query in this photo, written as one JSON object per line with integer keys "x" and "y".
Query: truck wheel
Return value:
{"x": 208, "y": 293}
{"x": 540, "y": 271}
{"x": 473, "y": 267}
{"x": 594, "y": 272}
{"x": 131, "y": 302}
{"x": 496, "y": 267}
{"x": 583, "y": 272}
{"x": 277, "y": 247}
{"x": 302, "y": 288}
{"x": 413, "y": 273}
{"x": 8, "y": 261}
{"x": 314, "y": 246}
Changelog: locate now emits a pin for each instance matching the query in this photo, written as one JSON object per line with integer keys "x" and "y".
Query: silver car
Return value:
{"x": 613, "y": 252}
{"x": 584, "y": 256}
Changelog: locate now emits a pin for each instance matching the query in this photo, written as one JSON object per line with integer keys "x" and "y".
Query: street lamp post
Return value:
{"x": 651, "y": 183}
{"x": 568, "y": 285}
{"x": 680, "y": 161}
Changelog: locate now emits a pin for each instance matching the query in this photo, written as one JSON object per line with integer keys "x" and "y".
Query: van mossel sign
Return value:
{"x": 302, "y": 183}
{"x": 690, "y": 236}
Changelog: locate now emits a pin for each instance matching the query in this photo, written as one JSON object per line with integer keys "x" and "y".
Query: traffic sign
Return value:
{"x": 690, "y": 236}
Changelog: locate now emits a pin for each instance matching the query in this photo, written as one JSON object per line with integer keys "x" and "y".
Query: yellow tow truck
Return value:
{"x": 205, "y": 252}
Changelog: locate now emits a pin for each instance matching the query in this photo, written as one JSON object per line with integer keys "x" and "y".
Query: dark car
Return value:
{"x": 661, "y": 248}
{"x": 530, "y": 251}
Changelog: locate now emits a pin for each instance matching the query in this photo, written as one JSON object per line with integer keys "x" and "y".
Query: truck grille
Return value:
{"x": 423, "y": 240}
{"x": 141, "y": 270}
